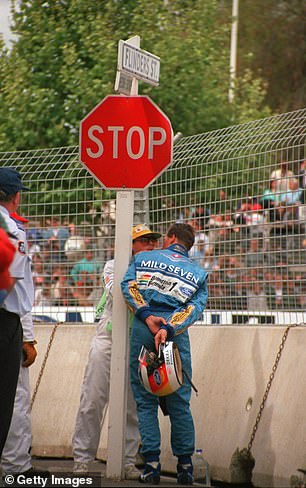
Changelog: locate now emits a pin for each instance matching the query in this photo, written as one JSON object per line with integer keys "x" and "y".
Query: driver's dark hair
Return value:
{"x": 184, "y": 233}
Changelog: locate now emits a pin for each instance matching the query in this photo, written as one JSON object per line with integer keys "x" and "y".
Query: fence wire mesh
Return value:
{"x": 242, "y": 188}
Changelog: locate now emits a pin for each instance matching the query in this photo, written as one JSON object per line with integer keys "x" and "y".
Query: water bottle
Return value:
{"x": 201, "y": 468}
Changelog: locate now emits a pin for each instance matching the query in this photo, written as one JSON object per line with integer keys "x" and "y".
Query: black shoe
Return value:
{"x": 150, "y": 474}
{"x": 185, "y": 474}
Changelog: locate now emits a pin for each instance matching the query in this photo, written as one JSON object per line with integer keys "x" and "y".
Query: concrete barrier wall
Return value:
{"x": 231, "y": 367}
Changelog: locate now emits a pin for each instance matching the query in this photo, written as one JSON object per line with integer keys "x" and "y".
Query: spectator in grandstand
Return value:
{"x": 105, "y": 228}
{"x": 290, "y": 201}
{"x": 282, "y": 176}
{"x": 222, "y": 222}
{"x": 43, "y": 296}
{"x": 169, "y": 209}
{"x": 245, "y": 206}
{"x": 239, "y": 218}
{"x": 185, "y": 214}
{"x": 95, "y": 388}
{"x": 238, "y": 294}
{"x": 62, "y": 292}
{"x": 256, "y": 296}
{"x": 34, "y": 248}
{"x": 86, "y": 292}
{"x": 51, "y": 253}
{"x": 278, "y": 295}
{"x": 108, "y": 210}
{"x": 210, "y": 262}
{"x": 56, "y": 231}
{"x": 274, "y": 286}
{"x": 270, "y": 201}
{"x": 231, "y": 267}
{"x": 220, "y": 205}
{"x": 34, "y": 231}
{"x": 219, "y": 226}
{"x": 217, "y": 291}
{"x": 82, "y": 292}
{"x": 201, "y": 215}
{"x": 255, "y": 221}
{"x": 87, "y": 268}
{"x": 255, "y": 257}
{"x": 201, "y": 243}
{"x": 230, "y": 272}
{"x": 292, "y": 290}
{"x": 75, "y": 245}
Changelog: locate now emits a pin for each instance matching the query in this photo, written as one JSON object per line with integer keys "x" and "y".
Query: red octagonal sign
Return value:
{"x": 126, "y": 142}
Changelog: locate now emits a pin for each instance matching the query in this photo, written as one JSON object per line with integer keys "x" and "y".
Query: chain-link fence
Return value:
{"x": 242, "y": 188}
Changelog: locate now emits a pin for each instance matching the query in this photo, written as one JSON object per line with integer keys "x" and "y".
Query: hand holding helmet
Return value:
{"x": 160, "y": 329}
{"x": 160, "y": 338}
{"x": 154, "y": 322}
{"x": 161, "y": 374}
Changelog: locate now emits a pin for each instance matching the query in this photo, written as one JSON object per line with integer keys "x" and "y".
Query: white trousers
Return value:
{"x": 94, "y": 401}
{"x": 16, "y": 457}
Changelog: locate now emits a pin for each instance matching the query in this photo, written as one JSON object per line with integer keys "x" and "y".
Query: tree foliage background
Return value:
{"x": 272, "y": 42}
{"x": 63, "y": 62}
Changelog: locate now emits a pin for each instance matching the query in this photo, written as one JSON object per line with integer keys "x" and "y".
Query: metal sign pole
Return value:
{"x": 120, "y": 333}
{"x": 120, "y": 339}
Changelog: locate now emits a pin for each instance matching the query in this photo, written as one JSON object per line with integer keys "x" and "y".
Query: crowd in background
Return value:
{"x": 67, "y": 268}
{"x": 254, "y": 253}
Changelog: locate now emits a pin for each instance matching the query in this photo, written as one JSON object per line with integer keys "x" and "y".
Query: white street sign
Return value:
{"x": 138, "y": 63}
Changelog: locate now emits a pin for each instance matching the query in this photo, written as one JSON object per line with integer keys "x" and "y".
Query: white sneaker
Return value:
{"x": 80, "y": 467}
{"x": 131, "y": 472}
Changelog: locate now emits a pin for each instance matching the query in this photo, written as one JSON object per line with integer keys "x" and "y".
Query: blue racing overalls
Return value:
{"x": 164, "y": 283}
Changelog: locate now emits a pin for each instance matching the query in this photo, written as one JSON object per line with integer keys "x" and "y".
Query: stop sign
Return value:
{"x": 126, "y": 142}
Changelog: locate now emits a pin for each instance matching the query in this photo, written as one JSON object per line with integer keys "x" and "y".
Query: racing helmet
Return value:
{"x": 161, "y": 374}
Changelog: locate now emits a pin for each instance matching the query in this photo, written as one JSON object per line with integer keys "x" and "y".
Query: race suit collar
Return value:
{"x": 178, "y": 248}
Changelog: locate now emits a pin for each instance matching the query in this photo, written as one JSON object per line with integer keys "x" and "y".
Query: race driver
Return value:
{"x": 167, "y": 293}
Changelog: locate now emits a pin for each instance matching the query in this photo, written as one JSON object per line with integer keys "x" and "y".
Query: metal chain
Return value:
{"x": 44, "y": 364}
{"x": 269, "y": 384}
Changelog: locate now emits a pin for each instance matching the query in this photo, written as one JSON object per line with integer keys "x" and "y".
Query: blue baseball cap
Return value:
{"x": 10, "y": 181}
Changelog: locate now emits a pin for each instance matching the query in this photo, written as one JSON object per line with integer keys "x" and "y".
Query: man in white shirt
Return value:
{"x": 18, "y": 301}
